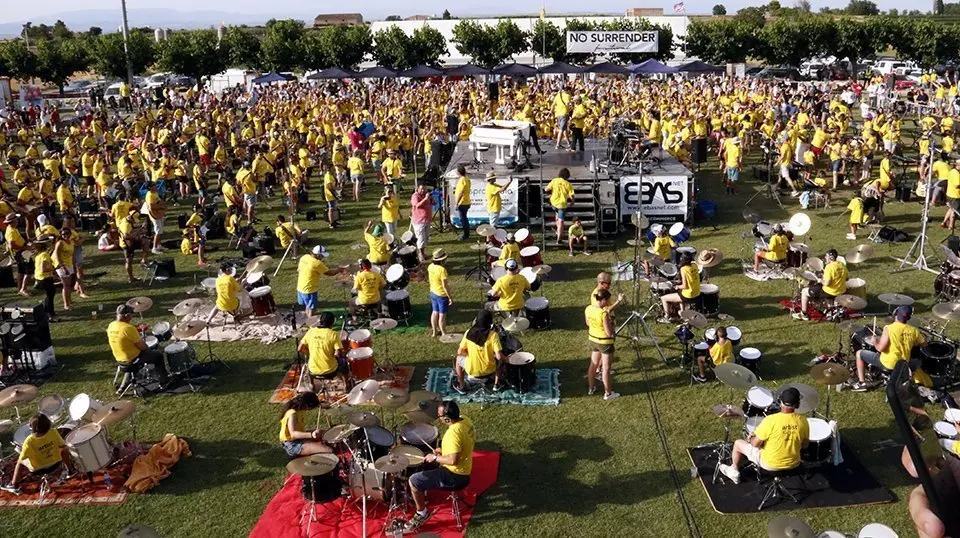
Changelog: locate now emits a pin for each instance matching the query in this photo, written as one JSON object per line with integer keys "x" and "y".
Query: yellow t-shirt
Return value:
{"x": 510, "y": 251}
{"x": 662, "y": 246}
{"x": 322, "y": 345}
{"x": 778, "y": 248}
{"x": 481, "y": 360}
{"x": 297, "y": 419}
{"x": 511, "y": 288}
{"x": 368, "y": 285}
{"x": 596, "y": 317}
{"x": 941, "y": 169}
{"x": 692, "y": 275}
{"x": 461, "y": 194}
{"x": 459, "y": 439}
{"x": 437, "y": 274}
{"x": 42, "y": 266}
{"x": 856, "y": 211}
{"x": 835, "y": 278}
{"x": 494, "y": 201}
{"x": 379, "y": 250}
{"x": 123, "y": 339}
{"x": 721, "y": 353}
{"x": 43, "y": 451}
{"x": 783, "y": 435}
{"x": 285, "y": 233}
{"x": 309, "y": 271}
{"x": 953, "y": 184}
{"x": 227, "y": 288}
{"x": 560, "y": 192}
{"x": 733, "y": 155}
{"x": 390, "y": 212}
{"x": 903, "y": 338}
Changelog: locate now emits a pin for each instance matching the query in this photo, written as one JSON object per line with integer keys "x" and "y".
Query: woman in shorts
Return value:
{"x": 295, "y": 439}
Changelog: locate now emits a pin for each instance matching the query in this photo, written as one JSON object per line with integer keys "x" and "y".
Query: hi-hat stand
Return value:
{"x": 635, "y": 327}
{"x": 920, "y": 243}
{"x": 480, "y": 270}
{"x": 770, "y": 190}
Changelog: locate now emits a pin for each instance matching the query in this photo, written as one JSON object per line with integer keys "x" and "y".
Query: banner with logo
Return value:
{"x": 613, "y": 41}
{"x": 663, "y": 198}
{"x": 477, "y": 214}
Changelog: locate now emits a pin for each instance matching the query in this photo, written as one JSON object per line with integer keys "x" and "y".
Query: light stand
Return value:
{"x": 920, "y": 243}
{"x": 211, "y": 356}
{"x": 769, "y": 186}
{"x": 294, "y": 241}
{"x": 480, "y": 270}
{"x": 635, "y": 321}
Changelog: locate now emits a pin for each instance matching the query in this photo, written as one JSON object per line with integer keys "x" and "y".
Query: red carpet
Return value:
{"x": 791, "y": 306}
{"x": 281, "y": 519}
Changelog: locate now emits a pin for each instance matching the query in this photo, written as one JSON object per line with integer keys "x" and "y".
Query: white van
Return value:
{"x": 885, "y": 67}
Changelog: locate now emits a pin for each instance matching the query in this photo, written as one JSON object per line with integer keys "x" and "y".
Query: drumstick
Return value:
{"x": 874, "y": 326}
{"x": 423, "y": 441}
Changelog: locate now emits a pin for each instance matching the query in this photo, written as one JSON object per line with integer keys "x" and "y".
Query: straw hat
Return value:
{"x": 439, "y": 255}
{"x": 710, "y": 257}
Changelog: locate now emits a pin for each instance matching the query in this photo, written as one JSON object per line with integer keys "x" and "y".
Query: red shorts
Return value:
{"x": 816, "y": 151}
{"x": 205, "y": 159}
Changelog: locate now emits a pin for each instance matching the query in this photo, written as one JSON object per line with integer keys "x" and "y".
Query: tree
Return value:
{"x": 195, "y": 53}
{"x": 20, "y": 62}
{"x": 426, "y": 46}
{"x": 790, "y": 41}
{"x": 665, "y": 41}
{"x": 723, "y": 41}
{"x": 719, "y": 10}
{"x": 282, "y": 47}
{"x": 59, "y": 59}
{"x": 391, "y": 48}
{"x": 754, "y": 15}
{"x": 476, "y": 41}
{"x": 241, "y": 48}
{"x": 802, "y": 5}
{"x": 549, "y": 42}
{"x": 108, "y": 58}
{"x": 95, "y": 31}
{"x": 855, "y": 39}
{"x": 337, "y": 46}
{"x": 393, "y": 18}
{"x": 862, "y": 8}
{"x": 446, "y": 15}
{"x": 60, "y": 30}
{"x": 938, "y": 7}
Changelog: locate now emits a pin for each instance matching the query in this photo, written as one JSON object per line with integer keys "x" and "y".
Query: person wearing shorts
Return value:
{"x": 440, "y": 299}
{"x": 733, "y": 159}
{"x": 832, "y": 284}
{"x": 953, "y": 197}
{"x": 421, "y": 215}
{"x": 600, "y": 335}
{"x": 295, "y": 439}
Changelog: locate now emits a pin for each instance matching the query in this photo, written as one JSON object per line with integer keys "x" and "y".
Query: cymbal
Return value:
{"x": 809, "y": 397}
{"x": 391, "y": 398}
{"x": 391, "y": 463}
{"x": 363, "y": 392}
{"x": 789, "y": 527}
{"x": 639, "y": 220}
{"x": 515, "y": 324}
{"x": 485, "y": 230}
{"x": 339, "y": 411}
{"x": 726, "y": 317}
{"x": 479, "y": 246}
{"x": 735, "y": 375}
{"x": 260, "y": 263}
{"x": 694, "y": 318}
{"x": 829, "y": 374}
{"x": 383, "y": 324}
{"x": 793, "y": 272}
{"x": 338, "y": 433}
{"x": 451, "y": 338}
{"x": 6, "y": 425}
{"x": 947, "y": 311}
{"x": 651, "y": 258}
{"x": 800, "y": 224}
{"x": 189, "y": 328}
{"x": 814, "y": 264}
{"x": 860, "y": 254}
{"x": 363, "y": 419}
{"x": 850, "y": 326}
{"x": 140, "y": 304}
{"x": 17, "y": 394}
{"x": 852, "y": 302}
{"x": 114, "y": 413}
{"x": 543, "y": 269}
{"x": 413, "y": 454}
{"x": 185, "y": 308}
{"x": 801, "y": 247}
{"x": 422, "y": 417}
{"x": 809, "y": 276}
{"x": 727, "y": 412}
{"x": 951, "y": 257}
{"x": 315, "y": 465}
{"x": 895, "y": 299}
{"x": 750, "y": 215}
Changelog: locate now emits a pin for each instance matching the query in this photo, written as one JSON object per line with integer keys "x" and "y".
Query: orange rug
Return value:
{"x": 335, "y": 389}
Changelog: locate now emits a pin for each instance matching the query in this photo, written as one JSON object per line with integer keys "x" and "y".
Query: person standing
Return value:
{"x": 561, "y": 110}
{"x": 309, "y": 270}
{"x": 440, "y": 298}
{"x": 600, "y": 334}
{"x": 561, "y": 194}
{"x": 44, "y": 273}
{"x": 578, "y": 120}
{"x": 733, "y": 158}
{"x": 157, "y": 211}
{"x": 16, "y": 245}
{"x": 953, "y": 197}
{"x": 461, "y": 199}
{"x": 389, "y": 209}
{"x": 494, "y": 199}
{"x": 421, "y": 215}
{"x": 330, "y": 187}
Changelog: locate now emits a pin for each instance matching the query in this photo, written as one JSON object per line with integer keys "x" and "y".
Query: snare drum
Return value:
{"x": 493, "y": 254}
{"x": 820, "y": 448}
{"x": 750, "y": 425}
{"x": 397, "y": 277}
{"x": 710, "y": 335}
{"x": 667, "y": 270}
{"x": 701, "y": 349}
{"x": 360, "y": 338}
{"x": 179, "y": 356}
{"x": 499, "y": 237}
{"x": 54, "y": 406}
{"x": 414, "y": 457}
{"x": 533, "y": 278}
{"x": 945, "y": 430}
{"x": 89, "y": 448}
{"x": 523, "y": 237}
{"x": 679, "y": 232}
{"x": 750, "y": 359}
{"x": 797, "y": 255}
{"x": 538, "y": 312}
{"x": 408, "y": 257}
{"x": 152, "y": 342}
{"x": 83, "y": 406}
{"x": 162, "y": 330}
{"x": 680, "y": 251}
{"x": 361, "y": 363}
{"x": 398, "y": 305}
{"x": 952, "y": 414}
{"x": 256, "y": 280}
{"x": 261, "y": 299}
{"x": 711, "y": 299}
{"x": 421, "y": 436}
{"x": 734, "y": 335}
{"x": 530, "y": 256}
{"x": 661, "y": 288}
{"x": 759, "y": 402}
{"x": 520, "y": 371}
{"x": 858, "y": 287}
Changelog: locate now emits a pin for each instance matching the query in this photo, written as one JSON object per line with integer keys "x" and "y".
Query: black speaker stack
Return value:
{"x": 698, "y": 150}
{"x": 25, "y": 335}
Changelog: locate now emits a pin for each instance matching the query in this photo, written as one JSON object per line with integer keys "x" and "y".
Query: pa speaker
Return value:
{"x": 698, "y": 150}
{"x": 493, "y": 91}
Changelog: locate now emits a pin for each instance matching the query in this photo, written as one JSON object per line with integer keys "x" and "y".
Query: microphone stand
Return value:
{"x": 920, "y": 243}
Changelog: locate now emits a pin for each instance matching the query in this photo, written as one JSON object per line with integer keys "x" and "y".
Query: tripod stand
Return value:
{"x": 635, "y": 324}
{"x": 769, "y": 186}
{"x": 920, "y": 243}
{"x": 480, "y": 270}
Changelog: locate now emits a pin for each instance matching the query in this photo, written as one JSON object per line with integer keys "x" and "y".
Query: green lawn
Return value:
{"x": 585, "y": 468}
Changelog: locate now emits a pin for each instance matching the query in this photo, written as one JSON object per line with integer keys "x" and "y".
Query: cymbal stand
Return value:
{"x": 722, "y": 450}
{"x": 481, "y": 271}
{"x": 355, "y": 464}
{"x": 636, "y": 323}
{"x": 397, "y": 510}
{"x": 920, "y": 243}
{"x": 310, "y": 509}
{"x": 769, "y": 186}
{"x": 211, "y": 356}
{"x": 387, "y": 366}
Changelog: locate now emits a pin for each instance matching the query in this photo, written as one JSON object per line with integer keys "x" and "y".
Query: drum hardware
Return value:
{"x": 515, "y": 324}
{"x": 192, "y": 328}
{"x": 311, "y": 468}
{"x": 726, "y": 413}
{"x": 789, "y": 527}
{"x": 382, "y": 325}
{"x": 17, "y": 394}
{"x": 520, "y": 371}
{"x": 829, "y": 374}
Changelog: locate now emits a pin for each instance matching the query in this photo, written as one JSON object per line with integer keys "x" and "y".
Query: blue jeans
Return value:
{"x": 464, "y": 222}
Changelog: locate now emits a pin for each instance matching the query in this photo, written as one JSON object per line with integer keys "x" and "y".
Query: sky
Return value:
{"x": 14, "y": 10}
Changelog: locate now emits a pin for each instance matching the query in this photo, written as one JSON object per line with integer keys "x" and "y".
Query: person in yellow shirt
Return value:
{"x": 561, "y": 110}
{"x": 894, "y": 344}
{"x": 720, "y": 353}
{"x": 295, "y": 439}
{"x": 688, "y": 291}
{"x": 509, "y": 289}
{"x": 368, "y": 284}
{"x": 392, "y": 168}
{"x": 461, "y": 200}
{"x": 953, "y": 197}
{"x": 309, "y": 270}
{"x": 355, "y": 168}
{"x": 379, "y": 250}
{"x": 455, "y": 456}
{"x": 561, "y": 194}
{"x": 440, "y": 297}
{"x": 326, "y": 354}
{"x": 494, "y": 200}
{"x": 288, "y": 232}
{"x": 389, "y": 206}
{"x": 578, "y": 119}
{"x": 479, "y": 354}
{"x": 129, "y": 348}
{"x": 228, "y": 301}
{"x": 600, "y": 335}
{"x": 43, "y": 451}
{"x": 44, "y": 273}
{"x": 832, "y": 284}
{"x": 247, "y": 183}
{"x": 733, "y": 158}
{"x": 776, "y": 443}
{"x": 131, "y": 240}
{"x": 776, "y": 250}
{"x": 662, "y": 246}
{"x": 576, "y": 235}
{"x": 857, "y": 214}
{"x": 509, "y": 251}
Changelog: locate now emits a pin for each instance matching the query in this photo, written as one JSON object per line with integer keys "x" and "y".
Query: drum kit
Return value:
{"x": 791, "y": 527}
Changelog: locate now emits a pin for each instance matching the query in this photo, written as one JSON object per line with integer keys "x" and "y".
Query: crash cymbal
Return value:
{"x": 451, "y": 338}
{"x": 639, "y": 220}
{"x": 895, "y": 299}
{"x": 363, "y": 419}
{"x": 829, "y": 373}
{"x": 809, "y": 276}
{"x": 694, "y": 318}
{"x": 413, "y": 454}
{"x": 391, "y": 463}
{"x": 17, "y": 394}
{"x": 951, "y": 257}
{"x": 789, "y": 527}
{"x": 800, "y": 224}
{"x": 383, "y": 324}
{"x": 418, "y": 396}
{"x": 726, "y": 317}
{"x": 189, "y": 329}
{"x": 315, "y": 465}
{"x": 850, "y": 326}
{"x": 485, "y": 230}
{"x": 114, "y": 413}
{"x": 801, "y": 247}
{"x": 185, "y": 308}
{"x": 339, "y": 411}
{"x": 479, "y": 246}
{"x": 651, "y": 258}
{"x": 259, "y": 264}
{"x": 735, "y": 375}
{"x": 338, "y": 433}
{"x": 391, "y": 398}
{"x": 947, "y": 311}
{"x": 860, "y": 254}
{"x": 793, "y": 272}
{"x": 543, "y": 269}
{"x": 727, "y": 412}
{"x": 750, "y": 216}
{"x": 814, "y": 264}
{"x": 851, "y": 302}
{"x": 515, "y": 324}
{"x": 6, "y": 425}
{"x": 809, "y": 397}
{"x": 363, "y": 392}
{"x": 428, "y": 416}
{"x": 140, "y": 304}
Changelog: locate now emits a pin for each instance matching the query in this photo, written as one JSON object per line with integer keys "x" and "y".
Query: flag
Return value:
{"x": 543, "y": 11}
{"x": 678, "y": 7}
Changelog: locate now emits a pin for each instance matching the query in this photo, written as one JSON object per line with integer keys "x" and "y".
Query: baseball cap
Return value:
{"x": 511, "y": 264}
{"x": 904, "y": 313}
{"x": 790, "y": 397}
{"x": 320, "y": 251}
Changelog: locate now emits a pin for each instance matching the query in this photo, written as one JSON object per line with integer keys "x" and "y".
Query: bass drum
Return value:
{"x": 326, "y": 487}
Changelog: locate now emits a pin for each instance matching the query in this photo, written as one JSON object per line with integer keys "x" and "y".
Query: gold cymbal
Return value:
{"x": 789, "y": 527}
{"x": 947, "y": 311}
{"x": 189, "y": 329}
{"x": 187, "y": 307}
{"x": 363, "y": 419}
{"x": 451, "y": 338}
{"x": 860, "y": 254}
{"x": 542, "y": 269}
{"x": 735, "y": 375}
{"x": 895, "y": 299}
{"x": 260, "y": 263}
{"x": 140, "y": 304}
{"x": 391, "y": 398}
{"x": 515, "y": 324}
{"x": 485, "y": 230}
{"x": 694, "y": 318}
{"x": 852, "y": 302}
{"x": 829, "y": 374}
{"x": 17, "y": 394}
{"x": 413, "y": 454}
{"x": 114, "y": 413}
{"x": 315, "y": 465}
{"x": 850, "y": 326}
{"x": 727, "y": 412}
{"x": 391, "y": 463}
{"x": 383, "y": 324}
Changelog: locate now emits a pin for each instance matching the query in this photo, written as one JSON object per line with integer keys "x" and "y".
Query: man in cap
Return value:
{"x": 309, "y": 270}
{"x": 379, "y": 253}
{"x": 461, "y": 197}
{"x": 894, "y": 345}
{"x": 392, "y": 168}
{"x": 509, "y": 289}
{"x": 16, "y": 245}
{"x": 326, "y": 354}
{"x": 776, "y": 443}
{"x": 493, "y": 194}
{"x": 129, "y": 348}
{"x": 440, "y": 298}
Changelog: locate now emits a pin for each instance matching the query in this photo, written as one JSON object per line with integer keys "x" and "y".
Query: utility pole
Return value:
{"x": 126, "y": 48}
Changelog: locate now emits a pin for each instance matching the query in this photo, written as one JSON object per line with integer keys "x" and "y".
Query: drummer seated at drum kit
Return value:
{"x": 129, "y": 348}
{"x": 832, "y": 284}
{"x": 479, "y": 355}
{"x": 509, "y": 251}
{"x": 662, "y": 246}
{"x": 721, "y": 352}
{"x": 688, "y": 292}
{"x": 367, "y": 284}
{"x": 227, "y": 289}
{"x": 894, "y": 345}
{"x": 325, "y": 352}
{"x": 42, "y": 453}
{"x": 379, "y": 249}
{"x": 776, "y": 443}
{"x": 776, "y": 250}
{"x": 295, "y": 439}
{"x": 508, "y": 290}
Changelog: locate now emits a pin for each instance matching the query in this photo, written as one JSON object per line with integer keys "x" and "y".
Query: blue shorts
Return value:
{"x": 561, "y": 213}
{"x": 440, "y": 478}
{"x": 836, "y": 165}
{"x": 332, "y": 204}
{"x": 292, "y": 448}
{"x": 309, "y": 300}
{"x": 733, "y": 173}
{"x": 439, "y": 304}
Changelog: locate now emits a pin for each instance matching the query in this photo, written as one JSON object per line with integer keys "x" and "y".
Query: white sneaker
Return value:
{"x": 852, "y": 236}
{"x": 731, "y": 473}
{"x": 611, "y": 396}
{"x": 157, "y": 251}
{"x": 590, "y": 392}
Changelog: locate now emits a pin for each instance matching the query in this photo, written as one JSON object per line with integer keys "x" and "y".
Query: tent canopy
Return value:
{"x": 607, "y": 68}
{"x": 333, "y": 73}
{"x": 514, "y": 70}
{"x": 273, "y": 77}
{"x": 697, "y": 66}
{"x": 377, "y": 72}
{"x": 421, "y": 71}
{"x": 467, "y": 70}
{"x": 651, "y": 66}
{"x": 559, "y": 68}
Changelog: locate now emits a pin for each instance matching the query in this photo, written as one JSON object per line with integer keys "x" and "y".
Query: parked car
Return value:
{"x": 76, "y": 87}
{"x": 789, "y": 73}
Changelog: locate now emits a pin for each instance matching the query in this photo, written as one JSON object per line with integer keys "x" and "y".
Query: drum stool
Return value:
{"x": 128, "y": 380}
{"x": 776, "y": 488}
{"x": 775, "y": 266}
{"x": 695, "y": 304}
{"x": 455, "y": 502}
{"x": 45, "y": 475}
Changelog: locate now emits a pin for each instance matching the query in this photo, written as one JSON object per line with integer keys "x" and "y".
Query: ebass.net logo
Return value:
{"x": 669, "y": 193}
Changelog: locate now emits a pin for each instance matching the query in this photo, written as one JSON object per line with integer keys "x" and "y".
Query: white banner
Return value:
{"x": 616, "y": 41}
{"x": 664, "y": 198}
{"x": 477, "y": 214}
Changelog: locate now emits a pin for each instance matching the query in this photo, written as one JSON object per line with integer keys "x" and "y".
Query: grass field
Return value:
{"x": 585, "y": 468}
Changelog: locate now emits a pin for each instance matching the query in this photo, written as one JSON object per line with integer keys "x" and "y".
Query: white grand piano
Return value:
{"x": 502, "y": 135}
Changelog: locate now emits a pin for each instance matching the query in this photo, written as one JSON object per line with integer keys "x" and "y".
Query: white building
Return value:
{"x": 677, "y": 23}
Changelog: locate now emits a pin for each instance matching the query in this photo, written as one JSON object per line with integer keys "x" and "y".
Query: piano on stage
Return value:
{"x": 502, "y": 135}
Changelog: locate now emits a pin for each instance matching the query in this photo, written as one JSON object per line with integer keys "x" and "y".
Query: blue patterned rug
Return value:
{"x": 546, "y": 391}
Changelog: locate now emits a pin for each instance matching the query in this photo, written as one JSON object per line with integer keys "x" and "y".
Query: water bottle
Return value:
{"x": 107, "y": 481}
